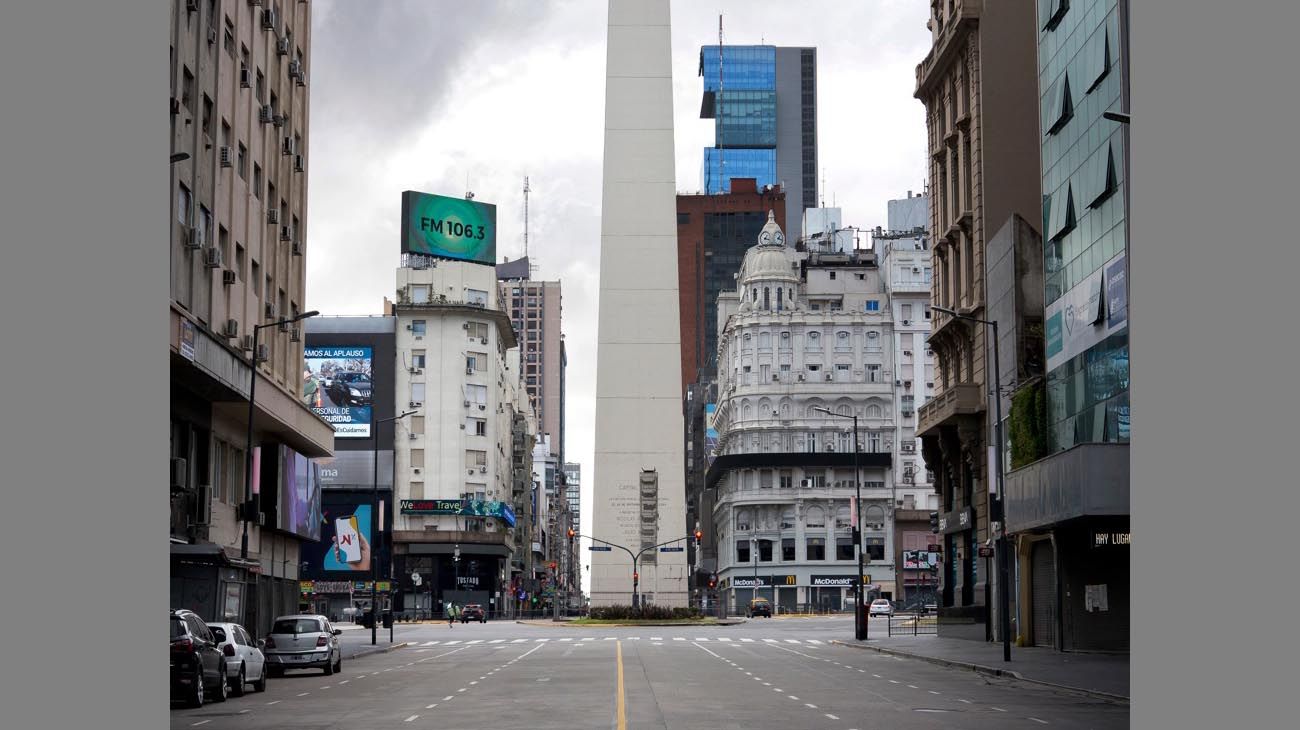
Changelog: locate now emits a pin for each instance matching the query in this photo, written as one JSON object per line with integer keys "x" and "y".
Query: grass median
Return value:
{"x": 642, "y": 622}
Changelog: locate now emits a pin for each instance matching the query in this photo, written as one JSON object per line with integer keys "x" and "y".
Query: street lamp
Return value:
{"x": 859, "y": 626}
{"x": 251, "y": 504}
{"x": 1004, "y": 602}
{"x": 374, "y": 523}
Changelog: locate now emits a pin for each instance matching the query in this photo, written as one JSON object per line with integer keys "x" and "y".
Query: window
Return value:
{"x": 816, "y": 516}
{"x": 1059, "y": 105}
{"x": 476, "y": 426}
{"x": 843, "y": 520}
{"x": 844, "y": 548}
{"x": 207, "y": 116}
{"x": 478, "y": 330}
{"x": 475, "y": 458}
{"x": 1050, "y": 12}
{"x": 873, "y": 411}
{"x": 257, "y": 279}
{"x": 816, "y": 548}
{"x": 811, "y": 442}
{"x": 257, "y": 181}
{"x": 873, "y": 305}
{"x": 683, "y": 218}
{"x": 925, "y": 308}
{"x": 786, "y": 481}
{"x": 742, "y": 551}
{"x": 417, "y": 458}
{"x": 417, "y": 490}
{"x": 764, "y": 551}
{"x": 243, "y": 56}
{"x": 832, "y": 276}
{"x": 417, "y": 359}
{"x": 476, "y": 394}
{"x": 814, "y": 341}
{"x": 261, "y": 87}
{"x": 223, "y": 242}
{"x": 417, "y": 424}
{"x": 183, "y": 205}
{"x": 907, "y": 312}
{"x": 417, "y": 327}
{"x": 225, "y": 133}
{"x": 873, "y": 373}
{"x": 1060, "y": 217}
{"x": 417, "y": 392}
{"x": 874, "y": 549}
{"x": 205, "y": 223}
{"x": 842, "y": 373}
{"x": 239, "y": 260}
{"x": 476, "y": 296}
{"x": 787, "y": 549}
{"x": 476, "y": 361}
{"x": 765, "y": 479}
{"x": 187, "y": 89}
{"x": 241, "y": 162}
{"x": 1100, "y": 171}
{"x": 842, "y": 341}
{"x": 873, "y": 341}
{"x": 419, "y": 294}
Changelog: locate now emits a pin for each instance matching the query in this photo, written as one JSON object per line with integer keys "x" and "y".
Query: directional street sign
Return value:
{"x": 671, "y": 549}
{"x": 605, "y": 548}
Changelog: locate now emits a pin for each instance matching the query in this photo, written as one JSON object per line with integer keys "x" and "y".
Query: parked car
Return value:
{"x": 244, "y": 659}
{"x": 760, "y": 607}
{"x": 349, "y": 388}
{"x": 473, "y": 612}
{"x": 302, "y": 641}
{"x": 197, "y": 665}
{"x": 881, "y": 607}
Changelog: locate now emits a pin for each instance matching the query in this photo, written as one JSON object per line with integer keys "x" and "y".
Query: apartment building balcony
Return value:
{"x": 948, "y": 406}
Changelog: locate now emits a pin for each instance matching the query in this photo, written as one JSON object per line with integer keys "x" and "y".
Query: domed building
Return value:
{"x": 802, "y": 331}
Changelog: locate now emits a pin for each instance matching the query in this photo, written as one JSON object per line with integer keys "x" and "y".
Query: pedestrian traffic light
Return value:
{"x": 934, "y": 522}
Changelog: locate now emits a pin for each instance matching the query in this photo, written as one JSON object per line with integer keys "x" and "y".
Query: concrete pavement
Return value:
{"x": 777, "y": 675}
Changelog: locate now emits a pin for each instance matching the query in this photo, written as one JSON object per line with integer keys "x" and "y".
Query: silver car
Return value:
{"x": 244, "y": 659}
{"x": 303, "y": 641}
{"x": 881, "y": 607}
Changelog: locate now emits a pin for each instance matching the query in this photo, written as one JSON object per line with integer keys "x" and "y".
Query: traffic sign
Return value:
{"x": 934, "y": 548}
{"x": 603, "y": 548}
{"x": 985, "y": 552}
{"x": 671, "y": 549}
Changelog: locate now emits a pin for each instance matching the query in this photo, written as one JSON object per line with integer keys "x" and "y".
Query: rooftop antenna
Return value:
{"x": 823, "y": 190}
{"x": 469, "y": 194}
{"x": 526, "y": 191}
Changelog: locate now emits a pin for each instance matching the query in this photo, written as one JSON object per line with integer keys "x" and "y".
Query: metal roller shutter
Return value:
{"x": 1043, "y": 582}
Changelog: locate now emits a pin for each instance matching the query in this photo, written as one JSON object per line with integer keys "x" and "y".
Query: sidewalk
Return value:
{"x": 1104, "y": 676}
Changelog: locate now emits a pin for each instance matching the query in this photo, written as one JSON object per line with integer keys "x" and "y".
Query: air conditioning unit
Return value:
{"x": 416, "y": 371}
{"x": 286, "y": 233}
{"x": 416, "y": 404}
{"x": 194, "y": 237}
{"x": 806, "y": 483}
{"x": 245, "y": 78}
{"x": 907, "y": 353}
{"x": 469, "y": 371}
{"x": 415, "y": 436}
{"x": 302, "y": 79}
{"x": 272, "y": 216}
{"x": 282, "y": 46}
{"x": 266, "y": 115}
{"x": 465, "y": 326}
{"x": 800, "y": 377}
{"x": 263, "y": 353}
{"x": 203, "y": 505}
{"x": 482, "y": 470}
{"x": 417, "y": 471}
{"x": 279, "y": 120}
{"x": 482, "y": 407}
{"x": 232, "y": 327}
{"x": 212, "y": 36}
{"x": 298, "y": 164}
{"x": 907, "y": 383}
{"x": 247, "y": 344}
{"x": 929, "y": 385}
{"x": 268, "y": 19}
{"x": 297, "y": 248}
{"x": 192, "y": 5}
{"x": 469, "y": 471}
{"x": 829, "y": 377}
{"x": 284, "y": 327}
{"x": 295, "y": 68}
{"x": 483, "y": 340}
{"x": 295, "y": 335}
{"x": 179, "y": 473}
{"x": 906, "y": 322}
{"x": 898, "y": 382}
{"x": 212, "y": 258}
{"x": 227, "y": 157}
{"x": 286, "y": 146}
{"x": 408, "y": 328}
{"x": 916, "y": 269}
{"x": 467, "y": 404}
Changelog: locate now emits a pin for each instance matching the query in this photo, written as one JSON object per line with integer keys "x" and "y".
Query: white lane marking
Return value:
{"x": 430, "y": 707}
{"x": 200, "y": 722}
{"x": 814, "y": 641}
{"x": 750, "y": 673}
{"x": 462, "y": 689}
{"x": 327, "y": 686}
{"x": 453, "y": 641}
{"x": 303, "y": 694}
{"x": 792, "y": 641}
{"x": 411, "y": 718}
{"x": 473, "y": 683}
{"x": 748, "y": 641}
{"x": 679, "y": 638}
{"x": 430, "y": 643}
{"x": 792, "y": 697}
{"x": 767, "y": 684}
{"x": 700, "y": 638}
{"x": 966, "y": 701}
{"x": 777, "y": 689}
{"x": 1042, "y": 721}
{"x": 809, "y": 704}
{"x": 933, "y": 692}
{"x": 481, "y": 678}
{"x": 999, "y": 709}
{"x": 894, "y": 681}
{"x": 706, "y": 649}
{"x": 274, "y": 702}
{"x": 831, "y": 716}
{"x": 421, "y": 651}
{"x": 658, "y": 643}
{"x": 634, "y": 638}
{"x": 912, "y": 686}
{"x": 447, "y": 698}
{"x": 540, "y": 641}
{"x": 656, "y": 638}
{"x": 244, "y": 712}
{"x": 724, "y": 639}
{"x": 863, "y": 671}
{"x": 475, "y": 641}
{"x": 388, "y": 669}
{"x": 499, "y": 641}
{"x": 877, "y": 676}
{"x": 518, "y": 641}
{"x": 770, "y": 641}
{"x": 567, "y": 638}
{"x": 345, "y": 681}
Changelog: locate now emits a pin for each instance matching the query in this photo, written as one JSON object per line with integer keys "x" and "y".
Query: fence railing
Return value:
{"x": 913, "y": 624}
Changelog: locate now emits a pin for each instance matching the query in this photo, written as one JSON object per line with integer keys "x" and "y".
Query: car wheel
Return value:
{"x": 260, "y": 684}
{"x": 329, "y": 667}
{"x": 223, "y": 687}
{"x": 237, "y": 688}
{"x": 338, "y": 665}
{"x": 196, "y": 694}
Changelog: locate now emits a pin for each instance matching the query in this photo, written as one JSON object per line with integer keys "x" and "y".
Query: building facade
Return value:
{"x": 763, "y": 100}
{"x": 535, "y": 308}
{"x": 802, "y": 332}
{"x": 459, "y": 368}
{"x": 638, "y": 495}
{"x": 237, "y": 241}
{"x": 1070, "y": 509}
{"x": 975, "y": 83}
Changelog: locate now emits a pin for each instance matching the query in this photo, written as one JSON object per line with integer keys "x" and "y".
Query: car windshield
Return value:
{"x": 178, "y": 627}
{"x": 296, "y": 626}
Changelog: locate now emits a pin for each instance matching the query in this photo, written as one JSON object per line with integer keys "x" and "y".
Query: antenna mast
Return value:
{"x": 526, "y": 191}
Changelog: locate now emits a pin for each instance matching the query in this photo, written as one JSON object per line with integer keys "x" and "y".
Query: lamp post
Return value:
{"x": 250, "y": 506}
{"x": 374, "y": 520}
{"x": 1004, "y": 601}
{"x": 859, "y": 625}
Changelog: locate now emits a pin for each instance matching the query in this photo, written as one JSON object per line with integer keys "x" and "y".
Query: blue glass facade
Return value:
{"x": 745, "y": 118}
{"x": 759, "y": 164}
{"x": 1084, "y": 221}
{"x": 748, "y": 68}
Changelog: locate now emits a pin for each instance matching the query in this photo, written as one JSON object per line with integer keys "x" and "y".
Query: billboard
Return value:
{"x": 920, "y": 560}
{"x": 710, "y": 434}
{"x": 449, "y": 228}
{"x": 466, "y": 507}
{"x": 352, "y": 469}
{"x": 347, "y": 543}
{"x": 1078, "y": 320}
{"x": 299, "y": 495}
{"x": 336, "y": 385}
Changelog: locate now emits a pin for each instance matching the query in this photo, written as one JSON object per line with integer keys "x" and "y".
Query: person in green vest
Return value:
{"x": 451, "y": 614}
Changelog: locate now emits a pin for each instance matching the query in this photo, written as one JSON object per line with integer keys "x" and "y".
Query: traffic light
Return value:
{"x": 713, "y": 581}
{"x": 698, "y": 536}
{"x": 934, "y": 522}
{"x": 636, "y": 577}
{"x": 572, "y": 535}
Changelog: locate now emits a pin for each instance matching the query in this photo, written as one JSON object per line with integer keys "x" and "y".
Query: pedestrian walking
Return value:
{"x": 451, "y": 614}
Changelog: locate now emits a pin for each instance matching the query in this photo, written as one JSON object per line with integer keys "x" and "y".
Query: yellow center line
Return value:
{"x": 621, "y": 715}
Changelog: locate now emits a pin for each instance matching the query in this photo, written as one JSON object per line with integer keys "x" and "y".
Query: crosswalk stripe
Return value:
{"x": 496, "y": 641}
{"x": 518, "y": 641}
{"x": 588, "y": 638}
{"x": 814, "y": 641}
{"x": 700, "y": 639}
{"x": 656, "y": 638}
{"x": 453, "y": 641}
{"x": 678, "y": 638}
{"x": 610, "y": 638}
{"x": 567, "y": 638}
{"x": 475, "y": 641}
{"x": 724, "y": 639}
{"x": 747, "y": 640}
{"x": 770, "y": 641}
{"x": 429, "y": 643}
{"x": 792, "y": 641}
{"x": 540, "y": 641}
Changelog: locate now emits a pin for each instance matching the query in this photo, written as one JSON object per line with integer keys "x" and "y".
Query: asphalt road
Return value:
{"x": 781, "y": 674}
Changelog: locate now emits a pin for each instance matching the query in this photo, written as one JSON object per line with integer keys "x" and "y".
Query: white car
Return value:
{"x": 244, "y": 660}
{"x": 303, "y": 641}
{"x": 881, "y": 607}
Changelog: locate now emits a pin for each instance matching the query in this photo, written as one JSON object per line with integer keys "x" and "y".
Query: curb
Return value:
{"x": 554, "y": 624}
{"x": 993, "y": 671}
{"x": 379, "y": 649}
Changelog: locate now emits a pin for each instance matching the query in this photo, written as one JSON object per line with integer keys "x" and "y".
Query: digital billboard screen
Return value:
{"x": 347, "y": 544}
{"x": 337, "y": 386}
{"x": 450, "y": 228}
{"x": 299, "y": 495}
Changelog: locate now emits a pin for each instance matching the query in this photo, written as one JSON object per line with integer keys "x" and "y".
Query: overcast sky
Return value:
{"x": 444, "y": 97}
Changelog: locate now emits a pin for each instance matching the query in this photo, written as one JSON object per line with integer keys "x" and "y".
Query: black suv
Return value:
{"x": 350, "y": 388}
{"x": 472, "y": 612}
{"x": 198, "y": 666}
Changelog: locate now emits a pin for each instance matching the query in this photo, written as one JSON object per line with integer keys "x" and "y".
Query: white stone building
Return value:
{"x": 803, "y": 330}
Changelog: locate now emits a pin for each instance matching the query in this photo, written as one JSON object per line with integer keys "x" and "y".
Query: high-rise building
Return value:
{"x": 763, "y": 100}
{"x": 573, "y": 493}
{"x": 1068, "y": 491}
{"x": 713, "y": 233}
{"x": 639, "y": 496}
{"x": 238, "y": 243}
{"x": 535, "y": 308}
{"x": 975, "y": 83}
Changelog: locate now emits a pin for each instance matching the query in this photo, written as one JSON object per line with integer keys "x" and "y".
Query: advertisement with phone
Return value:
{"x": 349, "y": 545}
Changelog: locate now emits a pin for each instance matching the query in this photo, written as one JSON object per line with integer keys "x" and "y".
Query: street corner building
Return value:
{"x": 639, "y": 492}
{"x": 238, "y": 195}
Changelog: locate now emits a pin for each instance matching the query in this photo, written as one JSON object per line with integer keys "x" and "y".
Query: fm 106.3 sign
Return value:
{"x": 451, "y": 228}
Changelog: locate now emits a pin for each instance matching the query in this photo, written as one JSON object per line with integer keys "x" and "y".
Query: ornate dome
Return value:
{"x": 770, "y": 260}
